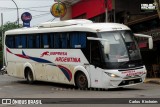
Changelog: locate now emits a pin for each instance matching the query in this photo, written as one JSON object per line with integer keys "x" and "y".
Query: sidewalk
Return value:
{"x": 152, "y": 80}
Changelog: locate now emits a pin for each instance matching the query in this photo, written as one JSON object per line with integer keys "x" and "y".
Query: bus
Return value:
{"x": 76, "y": 52}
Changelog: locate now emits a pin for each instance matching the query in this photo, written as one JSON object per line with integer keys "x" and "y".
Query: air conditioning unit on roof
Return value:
{"x": 64, "y": 23}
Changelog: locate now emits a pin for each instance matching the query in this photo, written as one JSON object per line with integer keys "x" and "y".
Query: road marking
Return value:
{"x": 8, "y": 86}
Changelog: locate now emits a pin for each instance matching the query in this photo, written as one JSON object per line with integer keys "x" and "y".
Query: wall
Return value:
{"x": 132, "y": 6}
{"x": 89, "y": 7}
{"x": 68, "y": 13}
{"x": 130, "y": 10}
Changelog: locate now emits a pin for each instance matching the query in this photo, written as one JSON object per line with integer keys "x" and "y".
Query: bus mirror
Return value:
{"x": 150, "y": 42}
{"x": 150, "y": 39}
{"x": 106, "y": 47}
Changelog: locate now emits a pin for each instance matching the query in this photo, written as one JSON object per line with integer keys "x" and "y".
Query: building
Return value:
{"x": 140, "y": 15}
{"x": 94, "y": 10}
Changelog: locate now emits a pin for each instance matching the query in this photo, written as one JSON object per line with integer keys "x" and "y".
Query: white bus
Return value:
{"x": 76, "y": 52}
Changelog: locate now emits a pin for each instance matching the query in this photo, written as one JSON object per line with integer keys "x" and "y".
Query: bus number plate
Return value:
{"x": 131, "y": 82}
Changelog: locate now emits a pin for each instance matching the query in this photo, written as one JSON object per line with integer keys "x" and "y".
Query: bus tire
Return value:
{"x": 81, "y": 80}
{"x": 29, "y": 76}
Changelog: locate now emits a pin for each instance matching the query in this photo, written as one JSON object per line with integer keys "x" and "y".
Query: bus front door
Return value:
{"x": 95, "y": 64}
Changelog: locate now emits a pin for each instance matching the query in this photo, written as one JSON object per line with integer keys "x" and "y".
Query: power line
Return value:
{"x": 35, "y": 10}
{"x": 29, "y": 7}
{"x": 51, "y": 20}
{"x": 40, "y": 6}
{"x": 6, "y": 10}
{"x": 40, "y": 15}
{"x": 36, "y": 16}
{"x": 12, "y": 9}
{"x": 47, "y": 21}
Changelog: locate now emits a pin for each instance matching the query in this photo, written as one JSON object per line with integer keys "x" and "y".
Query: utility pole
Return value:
{"x": 109, "y": 12}
{"x": 157, "y": 2}
{"x": 106, "y": 10}
{"x": 17, "y": 12}
{"x": 2, "y": 24}
{"x": 106, "y": 13}
{"x": 2, "y": 38}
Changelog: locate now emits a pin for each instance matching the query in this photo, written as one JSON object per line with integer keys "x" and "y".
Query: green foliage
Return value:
{"x": 6, "y": 26}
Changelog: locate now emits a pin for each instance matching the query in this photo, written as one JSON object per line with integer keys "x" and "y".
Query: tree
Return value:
{"x": 6, "y": 26}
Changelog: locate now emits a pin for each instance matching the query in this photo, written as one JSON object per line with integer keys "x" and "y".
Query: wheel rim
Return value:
{"x": 82, "y": 80}
{"x": 30, "y": 76}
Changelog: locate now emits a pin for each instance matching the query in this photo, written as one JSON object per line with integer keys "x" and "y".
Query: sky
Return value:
{"x": 39, "y": 9}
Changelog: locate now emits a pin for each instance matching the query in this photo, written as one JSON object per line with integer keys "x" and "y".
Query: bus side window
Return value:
{"x": 78, "y": 40}
{"x": 82, "y": 39}
{"x": 60, "y": 40}
{"x": 34, "y": 41}
{"x": 74, "y": 40}
{"x": 51, "y": 40}
{"x": 57, "y": 43}
{"x": 20, "y": 41}
{"x": 30, "y": 41}
{"x": 64, "y": 39}
{"x": 10, "y": 42}
{"x": 23, "y": 41}
{"x": 17, "y": 42}
{"x": 45, "y": 41}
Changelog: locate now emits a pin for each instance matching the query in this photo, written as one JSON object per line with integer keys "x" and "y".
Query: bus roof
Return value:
{"x": 71, "y": 25}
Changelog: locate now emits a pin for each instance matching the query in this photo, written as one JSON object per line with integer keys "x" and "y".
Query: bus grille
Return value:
{"x": 128, "y": 82}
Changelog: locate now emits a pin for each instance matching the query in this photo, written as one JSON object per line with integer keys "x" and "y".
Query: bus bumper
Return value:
{"x": 125, "y": 78}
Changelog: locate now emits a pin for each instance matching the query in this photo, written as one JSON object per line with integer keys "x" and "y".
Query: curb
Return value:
{"x": 152, "y": 81}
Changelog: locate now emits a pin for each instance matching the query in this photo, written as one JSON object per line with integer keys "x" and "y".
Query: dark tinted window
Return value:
{"x": 61, "y": 40}
{"x": 10, "y": 41}
{"x": 33, "y": 41}
{"x": 77, "y": 40}
{"x": 48, "y": 40}
{"x": 20, "y": 41}
{"x": 51, "y": 40}
{"x": 57, "y": 42}
{"x": 45, "y": 41}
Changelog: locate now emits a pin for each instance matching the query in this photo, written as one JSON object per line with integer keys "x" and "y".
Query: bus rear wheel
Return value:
{"x": 29, "y": 76}
{"x": 81, "y": 81}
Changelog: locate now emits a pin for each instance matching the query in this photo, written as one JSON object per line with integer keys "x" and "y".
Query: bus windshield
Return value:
{"x": 122, "y": 46}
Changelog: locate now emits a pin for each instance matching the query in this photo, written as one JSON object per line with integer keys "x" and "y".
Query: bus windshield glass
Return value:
{"x": 123, "y": 47}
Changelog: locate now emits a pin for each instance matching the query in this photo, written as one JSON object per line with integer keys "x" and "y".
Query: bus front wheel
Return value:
{"x": 29, "y": 76}
{"x": 81, "y": 80}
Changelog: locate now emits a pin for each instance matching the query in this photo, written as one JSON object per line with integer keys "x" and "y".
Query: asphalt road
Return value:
{"x": 11, "y": 87}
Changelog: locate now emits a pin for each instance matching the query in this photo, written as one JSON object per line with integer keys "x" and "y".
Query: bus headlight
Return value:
{"x": 112, "y": 75}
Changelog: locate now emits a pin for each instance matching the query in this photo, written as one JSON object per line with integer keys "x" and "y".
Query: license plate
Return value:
{"x": 131, "y": 82}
